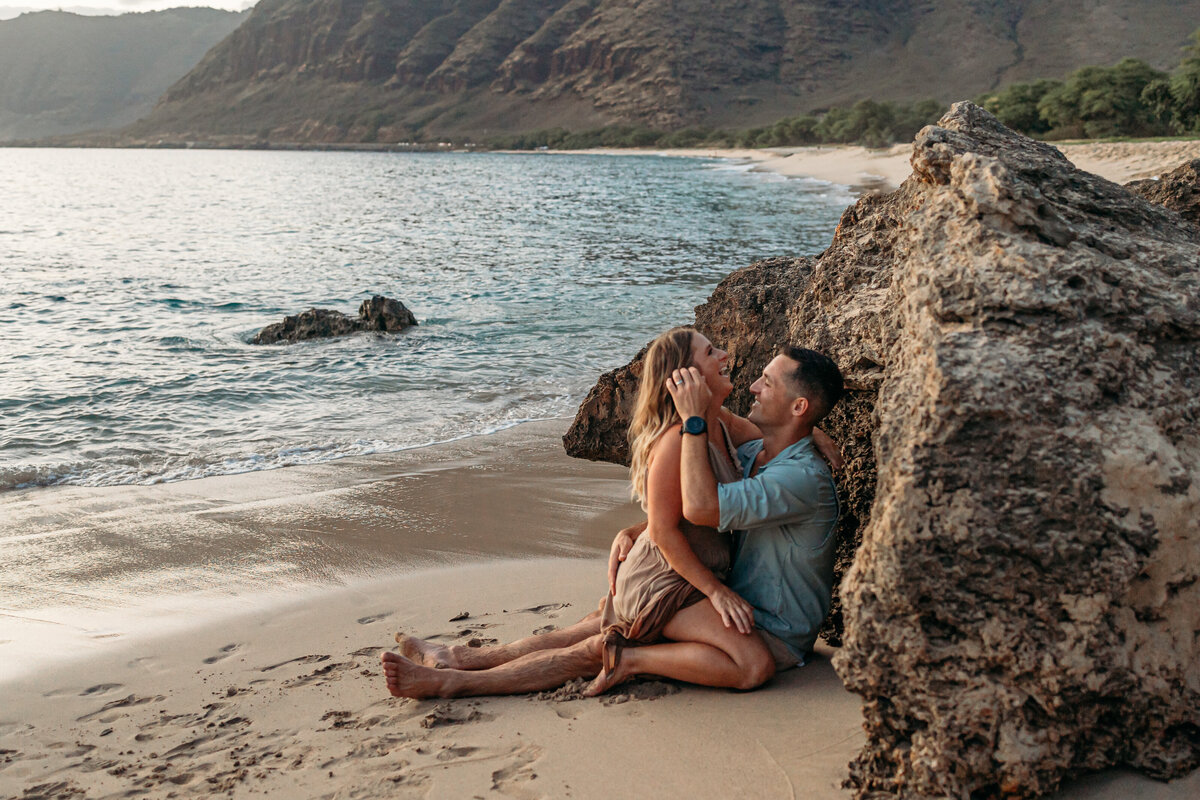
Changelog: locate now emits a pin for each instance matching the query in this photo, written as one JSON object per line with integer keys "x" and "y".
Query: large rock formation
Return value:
{"x": 380, "y": 314}
{"x": 1023, "y": 343}
{"x": 375, "y": 70}
{"x": 1178, "y": 190}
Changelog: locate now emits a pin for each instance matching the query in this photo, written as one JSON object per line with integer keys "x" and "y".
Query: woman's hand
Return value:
{"x": 735, "y": 612}
{"x": 690, "y": 392}
{"x": 828, "y": 449}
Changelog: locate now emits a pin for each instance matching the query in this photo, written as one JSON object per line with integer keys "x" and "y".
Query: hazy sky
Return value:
{"x": 8, "y": 11}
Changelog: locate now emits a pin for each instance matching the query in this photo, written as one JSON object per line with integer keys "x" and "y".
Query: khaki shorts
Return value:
{"x": 779, "y": 651}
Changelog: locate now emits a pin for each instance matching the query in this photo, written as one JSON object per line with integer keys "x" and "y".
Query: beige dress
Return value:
{"x": 648, "y": 591}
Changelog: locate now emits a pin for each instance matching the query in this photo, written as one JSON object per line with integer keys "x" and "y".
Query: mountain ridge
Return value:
{"x": 62, "y": 72}
{"x": 354, "y": 70}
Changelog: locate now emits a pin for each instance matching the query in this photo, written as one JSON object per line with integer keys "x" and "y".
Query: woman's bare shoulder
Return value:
{"x": 668, "y": 444}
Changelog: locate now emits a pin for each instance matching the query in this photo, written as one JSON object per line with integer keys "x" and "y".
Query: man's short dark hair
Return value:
{"x": 816, "y": 377}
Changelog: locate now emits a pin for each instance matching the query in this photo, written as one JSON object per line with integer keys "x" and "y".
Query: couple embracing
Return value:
{"x": 730, "y": 576}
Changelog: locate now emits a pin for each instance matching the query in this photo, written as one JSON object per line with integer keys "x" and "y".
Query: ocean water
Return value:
{"x": 131, "y": 282}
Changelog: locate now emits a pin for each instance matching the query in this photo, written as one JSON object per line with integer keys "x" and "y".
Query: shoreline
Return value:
{"x": 861, "y": 169}
{"x": 864, "y": 170}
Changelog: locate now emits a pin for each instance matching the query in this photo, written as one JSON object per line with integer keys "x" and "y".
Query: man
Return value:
{"x": 785, "y": 509}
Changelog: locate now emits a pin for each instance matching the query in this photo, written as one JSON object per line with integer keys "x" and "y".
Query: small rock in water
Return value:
{"x": 382, "y": 314}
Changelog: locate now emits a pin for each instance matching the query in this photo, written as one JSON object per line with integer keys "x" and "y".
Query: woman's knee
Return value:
{"x": 757, "y": 668}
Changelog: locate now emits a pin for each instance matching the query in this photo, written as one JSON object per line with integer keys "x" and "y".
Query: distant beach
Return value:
{"x": 866, "y": 169}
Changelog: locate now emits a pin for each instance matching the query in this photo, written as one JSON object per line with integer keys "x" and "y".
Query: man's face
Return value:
{"x": 775, "y": 401}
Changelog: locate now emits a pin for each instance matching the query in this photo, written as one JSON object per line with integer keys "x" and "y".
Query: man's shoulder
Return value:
{"x": 748, "y": 451}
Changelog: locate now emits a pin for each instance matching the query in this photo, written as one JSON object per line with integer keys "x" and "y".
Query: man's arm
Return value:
{"x": 742, "y": 430}
{"x": 780, "y": 492}
{"x": 622, "y": 544}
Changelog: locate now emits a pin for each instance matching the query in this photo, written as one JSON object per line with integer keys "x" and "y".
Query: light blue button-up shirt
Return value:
{"x": 783, "y": 520}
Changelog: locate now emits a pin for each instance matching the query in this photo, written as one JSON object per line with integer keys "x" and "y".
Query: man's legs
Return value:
{"x": 457, "y": 656}
{"x": 537, "y": 671}
{"x": 702, "y": 650}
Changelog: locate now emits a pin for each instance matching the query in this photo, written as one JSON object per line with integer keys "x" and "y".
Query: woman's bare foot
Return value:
{"x": 406, "y": 679}
{"x": 427, "y": 654}
{"x": 605, "y": 681}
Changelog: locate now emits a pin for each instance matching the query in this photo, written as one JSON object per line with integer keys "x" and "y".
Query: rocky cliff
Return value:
{"x": 354, "y": 70}
{"x": 1023, "y": 343}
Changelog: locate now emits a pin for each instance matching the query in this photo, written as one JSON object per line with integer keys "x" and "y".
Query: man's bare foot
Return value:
{"x": 406, "y": 679}
{"x": 427, "y": 654}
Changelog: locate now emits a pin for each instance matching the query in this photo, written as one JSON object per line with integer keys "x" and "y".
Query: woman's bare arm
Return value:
{"x": 664, "y": 510}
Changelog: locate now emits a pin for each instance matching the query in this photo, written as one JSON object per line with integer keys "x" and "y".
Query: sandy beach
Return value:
{"x": 255, "y": 681}
{"x": 880, "y": 170}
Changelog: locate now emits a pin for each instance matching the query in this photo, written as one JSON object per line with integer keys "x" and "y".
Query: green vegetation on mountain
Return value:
{"x": 1130, "y": 98}
{"x": 61, "y": 72}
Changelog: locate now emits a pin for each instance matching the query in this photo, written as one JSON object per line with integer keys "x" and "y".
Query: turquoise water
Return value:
{"x": 133, "y": 281}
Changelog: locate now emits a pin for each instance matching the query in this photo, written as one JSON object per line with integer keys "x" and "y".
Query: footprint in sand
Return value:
{"x": 367, "y": 651}
{"x": 327, "y": 672}
{"x": 513, "y": 779}
{"x": 222, "y": 654}
{"x": 454, "y": 753}
{"x": 311, "y": 659}
{"x": 100, "y": 688}
{"x": 446, "y": 714}
{"x": 547, "y": 609}
{"x": 124, "y": 702}
{"x": 544, "y": 629}
{"x": 373, "y": 618}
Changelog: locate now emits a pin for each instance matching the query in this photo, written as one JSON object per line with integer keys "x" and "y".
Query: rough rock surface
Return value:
{"x": 1022, "y": 340}
{"x": 1178, "y": 190}
{"x": 380, "y": 313}
{"x": 1025, "y": 602}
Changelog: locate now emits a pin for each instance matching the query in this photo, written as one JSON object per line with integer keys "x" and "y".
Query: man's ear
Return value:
{"x": 799, "y": 406}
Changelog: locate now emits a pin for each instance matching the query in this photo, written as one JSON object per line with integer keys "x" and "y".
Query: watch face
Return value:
{"x": 695, "y": 425}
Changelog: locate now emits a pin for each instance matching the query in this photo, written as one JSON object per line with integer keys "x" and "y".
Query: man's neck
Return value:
{"x": 775, "y": 441}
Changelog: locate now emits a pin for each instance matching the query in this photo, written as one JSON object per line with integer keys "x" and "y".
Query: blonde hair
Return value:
{"x": 654, "y": 410}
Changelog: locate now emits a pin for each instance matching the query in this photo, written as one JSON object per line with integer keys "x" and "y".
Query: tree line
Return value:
{"x": 1130, "y": 98}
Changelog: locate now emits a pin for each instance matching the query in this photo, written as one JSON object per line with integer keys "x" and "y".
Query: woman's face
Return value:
{"x": 713, "y": 364}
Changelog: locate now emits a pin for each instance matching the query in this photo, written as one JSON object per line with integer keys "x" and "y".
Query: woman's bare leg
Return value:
{"x": 702, "y": 651}
{"x": 457, "y": 656}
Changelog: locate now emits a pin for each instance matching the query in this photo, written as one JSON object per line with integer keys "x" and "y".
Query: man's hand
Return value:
{"x": 828, "y": 449}
{"x": 690, "y": 392}
{"x": 622, "y": 544}
{"x": 735, "y": 612}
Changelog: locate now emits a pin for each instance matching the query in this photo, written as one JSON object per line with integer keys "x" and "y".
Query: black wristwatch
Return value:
{"x": 695, "y": 425}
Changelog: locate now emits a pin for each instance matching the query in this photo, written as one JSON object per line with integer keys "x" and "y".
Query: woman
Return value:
{"x": 675, "y": 565}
